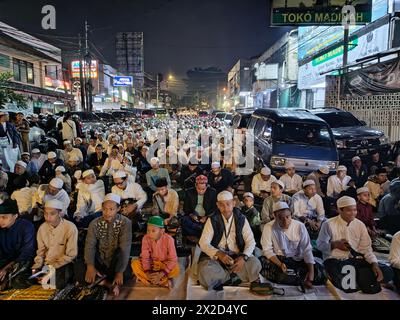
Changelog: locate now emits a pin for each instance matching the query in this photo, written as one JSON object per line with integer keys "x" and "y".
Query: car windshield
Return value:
{"x": 105, "y": 116}
{"x": 220, "y": 115}
{"x": 87, "y": 116}
{"x": 339, "y": 119}
{"x": 229, "y": 116}
{"x": 303, "y": 134}
{"x": 121, "y": 114}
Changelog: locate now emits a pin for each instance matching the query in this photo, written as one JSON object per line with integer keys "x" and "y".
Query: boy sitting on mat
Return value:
{"x": 158, "y": 263}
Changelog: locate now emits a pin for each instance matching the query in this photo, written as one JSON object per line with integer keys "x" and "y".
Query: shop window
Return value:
{"x": 4, "y": 61}
{"x": 23, "y": 71}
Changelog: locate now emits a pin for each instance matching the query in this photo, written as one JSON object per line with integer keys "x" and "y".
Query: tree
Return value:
{"x": 7, "y": 95}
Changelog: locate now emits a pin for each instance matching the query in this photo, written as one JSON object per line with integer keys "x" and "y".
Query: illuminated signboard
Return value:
{"x": 75, "y": 65}
{"x": 314, "y": 39}
{"x": 317, "y": 12}
{"x": 266, "y": 71}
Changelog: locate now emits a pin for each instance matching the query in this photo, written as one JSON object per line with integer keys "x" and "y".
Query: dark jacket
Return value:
{"x": 13, "y": 133}
{"x": 187, "y": 177}
{"x": 18, "y": 242}
{"x": 224, "y": 183}
{"x": 16, "y": 182}
{"x": 94, "y": 162}
{"x": 47, "y": 171}
{"x": 362, "y": 176}
{"x": 209, "y": 201}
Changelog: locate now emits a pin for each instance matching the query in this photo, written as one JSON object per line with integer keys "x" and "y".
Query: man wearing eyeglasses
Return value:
{"x": 128, "y": 190}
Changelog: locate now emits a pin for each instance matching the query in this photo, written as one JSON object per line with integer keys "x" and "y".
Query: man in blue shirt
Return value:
{"x": 17, "y": 247}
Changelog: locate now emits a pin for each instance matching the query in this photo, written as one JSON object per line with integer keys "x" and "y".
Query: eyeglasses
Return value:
{"x": 119, "y": 183}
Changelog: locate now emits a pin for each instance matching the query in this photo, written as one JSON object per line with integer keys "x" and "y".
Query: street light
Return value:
{"x": 170, "y": 77}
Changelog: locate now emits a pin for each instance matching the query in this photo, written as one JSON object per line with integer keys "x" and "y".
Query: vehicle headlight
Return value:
{"x": 278, "y": 161}
{"x": 341, "y": 144}
{"x": 384, "y": 140}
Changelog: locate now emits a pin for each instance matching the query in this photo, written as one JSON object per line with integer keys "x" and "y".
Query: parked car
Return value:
{"x": 106, "y": 117}
{"x": 89, "y": 120}
{"x": 353, "y": 137}
{"x": 281, "y": 135}
{"x": 241, "y": 119}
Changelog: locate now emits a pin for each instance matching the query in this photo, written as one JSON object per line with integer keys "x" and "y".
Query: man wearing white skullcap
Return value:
{"x": 108, "y": 246}
{"x": 156, "y": 173}
{"x": 340, "y": 235}
{"x": 47, "y": 192}
{"x": 220, "y": 178}
{"x": 70, "y": 151}
{"x": 261, "y": 183}
{"x": 277, "y": 195}
{"x": 128, "y": 190}
{"x": 307, "y": 206}
{"x": 57, "y": 242}
{"x": 91, "y": 193}
{"x": 227, "y": 239}
{"x": 291, "y": 180}
{"x": 62, "y": 174}
{"x": 47, "y": 171}
{"x": 338, "y": 182}
{"x": 36, "y": 161}
{"x": 286, "y": 245}
{"x": 358, "y": 171}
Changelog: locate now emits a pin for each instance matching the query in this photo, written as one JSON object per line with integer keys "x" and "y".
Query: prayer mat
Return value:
{"x": 35, "y": 292}
{"x": 72, "y": 292}
{"x": 380, "y": 244}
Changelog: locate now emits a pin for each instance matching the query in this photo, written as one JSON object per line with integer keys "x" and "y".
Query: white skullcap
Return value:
{"x": 112, "y": 197}
{"x": 362, "y": 190}
{"x": 25, "y": 153}
{"x": 215, "y": 165}
{"x": 60, "y": 168}
{"x": 324, "y": 169}
{"x": 345, "y": 202}
{"x": 87, "y": 173}
{"x": 154, "y": 161}
{"x": 266, "y": 171}
{"x": 78, "y": 174}
{"x": 35, "y": 151}
{"x": 248, "y": 194}
{"x": 341, "y": 168}
{"x": 35, "y": 115}
{"x": 145, "y": 147}
{"x": 225, "y": 196}
{"x": 280, "y": 205}
{"x": 51, "y": 155}
{"x": 78, "y": 139}
{"x": 119, "y": 175}
{"x": 54, "y": 204}
{"x": 21, "y": 163}
{"x": 289, "y": 165}
{"x": 56, "y": 183}
{"x": 67, "y": 142}
{"x": 308, "y": 183}
{"x": 355, "y": 159}
{"x": 281, "y": 184}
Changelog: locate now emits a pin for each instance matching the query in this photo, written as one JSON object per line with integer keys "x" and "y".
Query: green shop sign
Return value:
{"x": 334, "y": 53}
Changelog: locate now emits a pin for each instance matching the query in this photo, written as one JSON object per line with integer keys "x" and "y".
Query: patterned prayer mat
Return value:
{"x": 35, "y": 292}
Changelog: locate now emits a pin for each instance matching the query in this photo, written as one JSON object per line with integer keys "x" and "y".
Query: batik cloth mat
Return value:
{"x": 35, "y": 292}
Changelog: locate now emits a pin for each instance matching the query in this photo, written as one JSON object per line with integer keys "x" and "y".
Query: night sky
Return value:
{"x": 178, "y": 34}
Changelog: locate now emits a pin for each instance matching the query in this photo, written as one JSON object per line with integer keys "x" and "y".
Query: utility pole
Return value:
{"x": 158, "y": 88}
{"x": 82, "y": 89}
{"x": 89, "y": 71}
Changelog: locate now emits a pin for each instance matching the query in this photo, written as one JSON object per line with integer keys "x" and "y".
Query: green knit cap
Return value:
{"x": 156, "y": 221}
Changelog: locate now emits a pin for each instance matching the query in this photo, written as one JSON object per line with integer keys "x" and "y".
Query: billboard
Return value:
{"x": 368, "y": 44}
{"x": 122, "y": 81}
{"x": 317, "y": 12}
{"x": 377, "y": 79}
{"x": 75, "y": 66}
{"x": 315, "y": 38}
{"x": 266, "y": 71}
